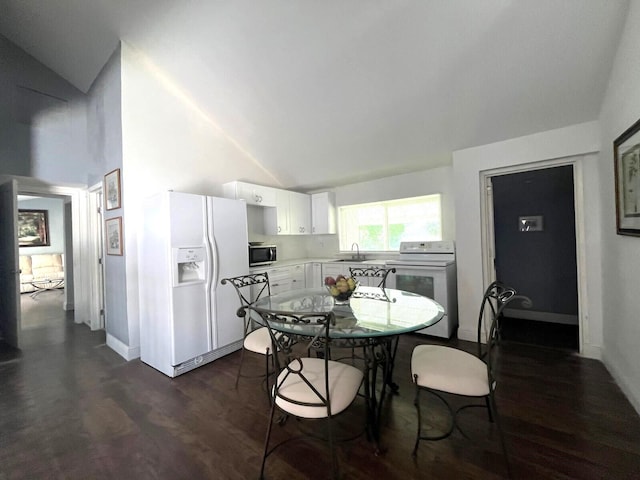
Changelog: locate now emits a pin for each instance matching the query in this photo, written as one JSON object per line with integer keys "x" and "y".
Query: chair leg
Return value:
{"x": 416, "y": 402}
{"x": 240, "y": 366}
{"x": 334, "y": 460}
{"x": 494, "y": 413}
{"x": 268, "y": 374}
{"x": 489, "y": 408}
{"x": 266, "y": 441}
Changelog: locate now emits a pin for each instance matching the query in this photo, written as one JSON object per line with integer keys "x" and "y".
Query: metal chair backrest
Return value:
{"x": 496, "y": 297}
{"x": 243, "y": 285}
{"x": 279, "y": 323}
{"x": 380, "y": 273}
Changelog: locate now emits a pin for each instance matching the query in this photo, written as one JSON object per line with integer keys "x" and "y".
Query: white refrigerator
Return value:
{"x": 187, "y": 244}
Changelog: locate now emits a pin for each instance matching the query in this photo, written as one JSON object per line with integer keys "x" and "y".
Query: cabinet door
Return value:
{"x": 283, "y": 226}
{"x": 313, "y": 275}
{"x": 250, "y": 193}
{"x": 299, "y": 213}
{"x": 297, "y": 277}
{"x": 279, "y": 279}
{"x": 280, "y": 285}
{"x": 323, "y": 213}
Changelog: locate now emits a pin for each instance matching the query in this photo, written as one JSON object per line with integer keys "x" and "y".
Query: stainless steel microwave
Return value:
{"x": 262, "y": 255}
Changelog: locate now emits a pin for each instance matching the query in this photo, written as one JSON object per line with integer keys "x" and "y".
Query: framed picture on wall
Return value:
{"x": 33, "y": 228}
{"x": 113, "y": 233}
{"x": 112, "y": 194}
{"x": 626, "y": 154}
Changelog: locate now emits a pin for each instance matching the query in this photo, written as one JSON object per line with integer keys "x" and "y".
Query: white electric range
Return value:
{"x": 429, "y": 269}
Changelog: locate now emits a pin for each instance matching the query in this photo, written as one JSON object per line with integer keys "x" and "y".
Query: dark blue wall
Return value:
{"x": 541, "y": 265}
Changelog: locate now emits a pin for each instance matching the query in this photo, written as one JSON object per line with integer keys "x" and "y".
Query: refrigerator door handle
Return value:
{"x": 215, "y": 260}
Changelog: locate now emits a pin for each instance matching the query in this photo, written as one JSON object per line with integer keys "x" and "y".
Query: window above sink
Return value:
{"x": 381, "y": 226}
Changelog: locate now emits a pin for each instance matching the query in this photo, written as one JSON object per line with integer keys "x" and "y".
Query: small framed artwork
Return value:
{"x": 114, "y": 235}
{"x": 112, "y": 190}
{"x": 33, "y": 228}
{"x": 626, "y": 153}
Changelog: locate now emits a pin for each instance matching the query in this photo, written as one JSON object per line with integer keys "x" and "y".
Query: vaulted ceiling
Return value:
{"x": 331, "y": 92}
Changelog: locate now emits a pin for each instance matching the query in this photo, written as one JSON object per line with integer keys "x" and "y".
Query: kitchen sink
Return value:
{"x": 351, "y": 261}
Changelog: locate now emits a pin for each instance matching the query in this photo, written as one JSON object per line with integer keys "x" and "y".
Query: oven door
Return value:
{"x": 429, "y": 281}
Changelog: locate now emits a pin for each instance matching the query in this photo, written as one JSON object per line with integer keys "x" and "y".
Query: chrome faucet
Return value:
{"x": 357, "y": 257}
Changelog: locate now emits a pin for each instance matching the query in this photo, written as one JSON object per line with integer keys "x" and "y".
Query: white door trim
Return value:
{"x": 488, "y": 241}
{"x": 79, "y": 222}
{"x": 95, "y": 267}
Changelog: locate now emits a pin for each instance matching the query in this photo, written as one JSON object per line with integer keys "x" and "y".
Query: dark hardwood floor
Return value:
{"x": 72, "y": 408}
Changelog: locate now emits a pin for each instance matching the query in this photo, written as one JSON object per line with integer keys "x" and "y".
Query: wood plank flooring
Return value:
{"x": 71, "y": 408}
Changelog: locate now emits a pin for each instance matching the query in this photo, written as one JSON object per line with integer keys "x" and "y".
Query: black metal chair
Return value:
{"x": 379, "y": 273}
{"x": 256, "y": 337}
{"x": 445, "y": 370}
{"x": 307, "y": 387}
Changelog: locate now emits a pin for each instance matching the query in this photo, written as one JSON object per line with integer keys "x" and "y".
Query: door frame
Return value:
{"x": 79, "y": 225}
{"x": 96, "y": 251}
{"x": 488, "y": 233}
{"x": 11, "y": 308}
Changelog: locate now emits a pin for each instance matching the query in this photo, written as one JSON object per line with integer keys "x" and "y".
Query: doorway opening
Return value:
{"x": 44, "y": 270}
{"x": 533, "y": 231}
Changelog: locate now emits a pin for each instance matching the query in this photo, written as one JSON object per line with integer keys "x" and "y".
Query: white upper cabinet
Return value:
{"x": 287, "y": 213}
{"x": 291, "y": 216}
{"x": 252, "y": 194}
{"x": 323, "y": 213}
{"x": 277, "y": 220}
{"x": 299, "y": 213}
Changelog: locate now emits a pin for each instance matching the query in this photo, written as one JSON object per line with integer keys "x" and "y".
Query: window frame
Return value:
{"x": 385, "y": 204}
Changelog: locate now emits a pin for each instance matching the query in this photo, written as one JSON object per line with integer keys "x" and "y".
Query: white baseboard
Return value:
{"x": 627, "y": 386}
{"x": 469, "y": 335}
{"x": 591, "y": 351}
{"x": 125, "y": 351}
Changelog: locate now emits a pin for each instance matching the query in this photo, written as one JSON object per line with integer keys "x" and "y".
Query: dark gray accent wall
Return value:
{"x": 539, "y": 264}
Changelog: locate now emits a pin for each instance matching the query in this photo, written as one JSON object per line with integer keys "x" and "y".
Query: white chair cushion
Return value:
{"x": 449, "y": 370}
{"x": 258, "y": 341}
{"x": 344, "y": 382}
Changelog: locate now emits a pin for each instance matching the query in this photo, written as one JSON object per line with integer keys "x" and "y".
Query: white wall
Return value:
{"x": 42, "y": 120}
{"x": 104, "y": 125}
{"x": 621, "y": 254}
{"x": 575, "y": 141}
{"x": 168, "y": 144}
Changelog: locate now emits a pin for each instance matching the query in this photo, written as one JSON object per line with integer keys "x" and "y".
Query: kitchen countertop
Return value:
{"x": 298, "y": 261}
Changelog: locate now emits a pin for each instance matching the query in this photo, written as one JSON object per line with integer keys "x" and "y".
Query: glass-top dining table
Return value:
{"x": 372, "y": 319}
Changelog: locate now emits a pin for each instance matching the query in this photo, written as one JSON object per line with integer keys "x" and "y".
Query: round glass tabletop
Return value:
{"x": 370, "y": 312}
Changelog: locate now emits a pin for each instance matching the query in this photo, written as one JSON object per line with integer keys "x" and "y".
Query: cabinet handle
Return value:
{"x": 279, "y": 229}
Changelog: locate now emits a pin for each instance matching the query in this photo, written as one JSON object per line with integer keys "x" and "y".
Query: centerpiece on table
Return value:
{"x": 340, "y": 287}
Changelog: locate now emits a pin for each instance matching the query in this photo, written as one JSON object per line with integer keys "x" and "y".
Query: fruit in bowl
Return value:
{"x": 340, "y": 287}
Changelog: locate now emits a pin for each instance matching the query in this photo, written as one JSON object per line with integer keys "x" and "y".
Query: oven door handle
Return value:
{"x": 435, "y": 268}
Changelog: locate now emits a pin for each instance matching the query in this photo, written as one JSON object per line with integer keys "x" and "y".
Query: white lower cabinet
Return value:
{"x": 313, "y": 275}
{"x": 297, "y": 274}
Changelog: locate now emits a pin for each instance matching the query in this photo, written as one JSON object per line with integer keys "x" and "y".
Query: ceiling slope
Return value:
{"x": 329, "y": 93}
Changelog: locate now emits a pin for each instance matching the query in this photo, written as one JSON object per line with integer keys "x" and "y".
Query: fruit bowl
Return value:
{"x": 340, "y": 287}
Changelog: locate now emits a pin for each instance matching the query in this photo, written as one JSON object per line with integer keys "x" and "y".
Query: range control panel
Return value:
{"x": 446, "y": 246}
